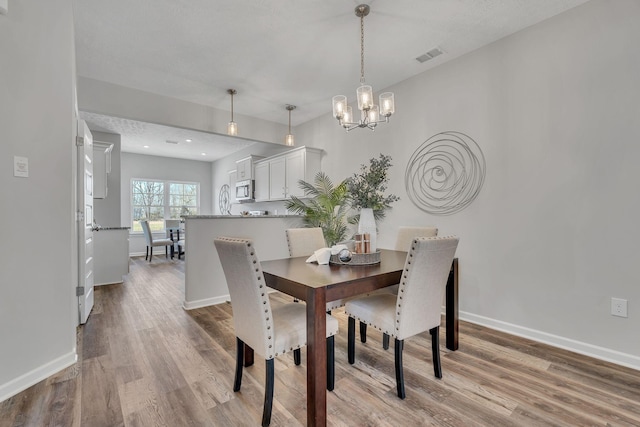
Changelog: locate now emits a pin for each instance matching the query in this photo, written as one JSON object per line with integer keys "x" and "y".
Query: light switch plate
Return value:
{"x": 4, "y": 7}
{"x": 20, "y": 167}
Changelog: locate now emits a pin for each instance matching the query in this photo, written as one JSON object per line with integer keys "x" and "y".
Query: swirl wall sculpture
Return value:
{"x": 445, "y": 174}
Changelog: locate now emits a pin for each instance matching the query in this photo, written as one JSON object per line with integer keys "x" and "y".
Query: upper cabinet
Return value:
{"x": 277, "y": 176}
{"x": 101, "y": 168}
{"x": 244, "y": 168}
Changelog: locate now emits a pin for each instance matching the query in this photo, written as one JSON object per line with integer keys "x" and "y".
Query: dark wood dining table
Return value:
{"x": 317, "y": 284}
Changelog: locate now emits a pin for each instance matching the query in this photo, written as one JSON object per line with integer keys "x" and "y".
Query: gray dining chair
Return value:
{"x": 270, "y": 332}
{"x": 151, "y": 242}
{"x": 405, "y": 236}
{"x": 416, "y": 308}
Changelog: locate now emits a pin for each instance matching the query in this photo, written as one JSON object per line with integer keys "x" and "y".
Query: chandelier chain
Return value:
{"x": 362, "y": 48}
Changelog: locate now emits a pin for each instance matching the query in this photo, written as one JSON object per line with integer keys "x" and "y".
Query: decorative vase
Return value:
{"x": 367, "y": 224}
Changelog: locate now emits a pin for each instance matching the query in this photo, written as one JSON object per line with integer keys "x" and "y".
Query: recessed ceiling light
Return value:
{"x": 145, "y": 146}
{"x": 188, "y": 140}
{"x": 203, "y": 154}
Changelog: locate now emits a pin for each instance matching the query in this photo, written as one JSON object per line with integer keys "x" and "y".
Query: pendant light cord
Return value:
{"x": 362, "y": 48}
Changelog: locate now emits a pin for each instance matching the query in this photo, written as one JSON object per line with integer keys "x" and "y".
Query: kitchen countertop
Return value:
{"x": 238, "y": 216}
{"x": 113, "y": 228}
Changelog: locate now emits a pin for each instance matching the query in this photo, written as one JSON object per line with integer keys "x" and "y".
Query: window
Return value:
{"x": 159, "y": 200}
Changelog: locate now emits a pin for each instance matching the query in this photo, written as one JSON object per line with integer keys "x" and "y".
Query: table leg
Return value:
{"x": 316, "y": 358}
{"x": 452, "y": 307}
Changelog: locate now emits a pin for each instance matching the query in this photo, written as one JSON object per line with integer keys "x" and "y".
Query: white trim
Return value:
{"x": 25, "y": 381}
{"x": 613, "y": 356}
{"x": 190, "y": 305}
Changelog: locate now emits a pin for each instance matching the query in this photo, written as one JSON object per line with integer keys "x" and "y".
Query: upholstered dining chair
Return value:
{"x": 304, "y": 242}
{"x": 270, "y": 332}
{"x": 403, "y": 243}
{"x": 417, "y": 306}
{"x": 151, "y": 242}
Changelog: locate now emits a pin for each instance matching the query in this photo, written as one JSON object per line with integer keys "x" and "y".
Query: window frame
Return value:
{"x": 166, "y": 202}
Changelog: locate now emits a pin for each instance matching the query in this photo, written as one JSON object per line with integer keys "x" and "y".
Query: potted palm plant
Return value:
{"x": 324, "y": 206}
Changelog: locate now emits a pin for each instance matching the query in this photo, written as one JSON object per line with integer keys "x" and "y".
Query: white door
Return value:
{"x": 84, "y": 291}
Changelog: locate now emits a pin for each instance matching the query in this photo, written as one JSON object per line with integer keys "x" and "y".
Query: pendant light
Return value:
{"x": 369, "y": 112}
{"x": 232, "y": 127}
{"x": 288, "y": 140}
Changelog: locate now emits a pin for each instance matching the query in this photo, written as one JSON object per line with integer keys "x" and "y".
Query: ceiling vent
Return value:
{"x": 172, "y": 142}
{"x": 429, "y": 55}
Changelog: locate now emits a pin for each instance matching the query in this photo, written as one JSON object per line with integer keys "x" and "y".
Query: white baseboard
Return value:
{"x": 190, "y": 305}
{"x": 619, "y": 358}
{"x": 25, "y": 381}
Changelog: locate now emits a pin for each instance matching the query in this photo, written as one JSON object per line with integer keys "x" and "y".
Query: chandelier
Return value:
{"x": 370, "y": 114}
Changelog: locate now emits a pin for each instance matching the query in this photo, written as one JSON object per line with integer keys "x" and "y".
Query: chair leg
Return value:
{"x": 146, "y": 255}
{"x": 296, "y": 356}
{"x": 239, "y": 362}
{"x": 166, "y": 252}
{"x": 150, "y": 253}
{"x": 385, "y": 341}
{"x": 363, "y": 332}
{"x": 399, "y": 372}
{"x": 351, "y": 340}
{"x": 331, "y": 363}
{"x": 435, "y": 351}
{"x": 268, "y": 393}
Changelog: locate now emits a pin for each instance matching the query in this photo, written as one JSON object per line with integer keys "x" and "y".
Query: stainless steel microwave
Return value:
{"x": 244, "y": 190}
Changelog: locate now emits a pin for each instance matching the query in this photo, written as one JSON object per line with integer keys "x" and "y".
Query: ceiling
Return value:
{"x": 278, "y": 52}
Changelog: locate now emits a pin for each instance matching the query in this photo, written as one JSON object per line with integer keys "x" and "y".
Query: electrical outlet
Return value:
{"x": 619, "y": 307}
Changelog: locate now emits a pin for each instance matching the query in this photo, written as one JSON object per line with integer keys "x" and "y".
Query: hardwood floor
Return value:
{"x": 144, "y": 361}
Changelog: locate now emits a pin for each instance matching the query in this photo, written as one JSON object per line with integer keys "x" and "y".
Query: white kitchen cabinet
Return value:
{"x": 285, "y": 170}
{"x": 101, "y": 168}
{"x": 111, "y": 255}
{"x": 277, "y": 179}
{"x": 232, "y": 186}
{"x": 244, "y": 168}
{"x": 261, "y": 176}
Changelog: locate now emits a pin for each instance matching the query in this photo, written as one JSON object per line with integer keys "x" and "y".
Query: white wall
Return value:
{"x": 164, "y": 168}
{"x": 38, "y": 308}
{"x": 107, "y": 211}
{"x": 553, "y": 235}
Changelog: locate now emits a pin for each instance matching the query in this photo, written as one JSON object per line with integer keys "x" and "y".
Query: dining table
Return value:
{"x": 316, "y": 284}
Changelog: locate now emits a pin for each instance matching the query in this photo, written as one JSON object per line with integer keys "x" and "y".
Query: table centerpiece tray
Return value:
{"x": 357, "y": 259}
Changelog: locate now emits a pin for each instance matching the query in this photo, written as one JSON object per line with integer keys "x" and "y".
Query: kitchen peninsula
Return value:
{"x": 205, "y": 283}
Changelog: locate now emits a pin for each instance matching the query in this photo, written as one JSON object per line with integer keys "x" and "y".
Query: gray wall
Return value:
{"x": 107, "y": 211}
{"x": 38, "y": 308}
{"x": 164, "y": 168}
{"x": 553, "y": 235}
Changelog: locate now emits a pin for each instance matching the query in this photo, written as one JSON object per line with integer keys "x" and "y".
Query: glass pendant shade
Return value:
{"x": 289, "y": 140}
{"x": 347, "y": 117}
{"x": 339, "y": 106}
{"x": 387, "y": 105}
{"x": 232, "y": 128}
{"x": 374, "y": 114}
{"x": 365, "y": 97}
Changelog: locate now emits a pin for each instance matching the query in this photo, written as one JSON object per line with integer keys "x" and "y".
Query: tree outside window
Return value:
{"x": 160, "y": 200}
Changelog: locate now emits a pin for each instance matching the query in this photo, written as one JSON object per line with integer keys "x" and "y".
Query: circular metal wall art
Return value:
{"x": 445, "y": 174}
{"x": 224, "y": 202}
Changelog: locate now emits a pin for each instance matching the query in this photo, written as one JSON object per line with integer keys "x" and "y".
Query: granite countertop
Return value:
{"x": 238, "y": 216}
{"x": 114, "y": 228}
